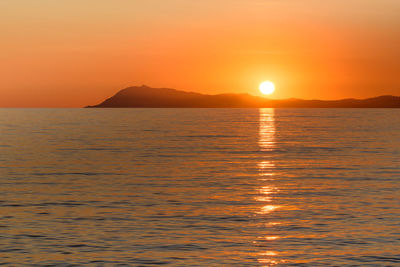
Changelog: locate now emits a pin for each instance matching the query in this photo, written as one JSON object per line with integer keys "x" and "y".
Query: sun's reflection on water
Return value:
{"x": 265, "y": 192}
{"x": 266, "y": 167}
{"x": 267, "y": 129}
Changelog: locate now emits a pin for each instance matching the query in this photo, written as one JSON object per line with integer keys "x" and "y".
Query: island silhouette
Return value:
{"x": 148, "y": 97}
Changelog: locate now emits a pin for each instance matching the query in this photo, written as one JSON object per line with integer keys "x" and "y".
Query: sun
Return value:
{"x": 267, "y": 88}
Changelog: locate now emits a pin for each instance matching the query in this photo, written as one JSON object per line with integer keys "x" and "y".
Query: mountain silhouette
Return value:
{"x": 147, "y": 97}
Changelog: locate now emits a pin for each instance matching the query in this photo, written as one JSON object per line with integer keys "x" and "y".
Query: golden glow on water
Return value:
{"x": 268, "y": 209}
{"x": 253, "y": 188}
{"x": 270, "y": 238}
{"x": 269, "y": 253}
{"x": 266, "y": 192}
{"x": 267, "y": 129}
{"x": 266, "y": 164}
{"x": 273, "y": 223}
{"x": 266, "y": 167}
{"x": 266, "y": 258}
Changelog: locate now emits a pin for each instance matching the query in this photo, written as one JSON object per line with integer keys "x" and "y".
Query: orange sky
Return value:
{"x": 72, "y": 53}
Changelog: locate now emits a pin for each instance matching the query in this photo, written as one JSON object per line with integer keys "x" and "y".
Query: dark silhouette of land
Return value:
{"x": 147, "y": 97}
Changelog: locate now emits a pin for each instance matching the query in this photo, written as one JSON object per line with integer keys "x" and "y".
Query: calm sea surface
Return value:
{"x": 200, "y": 187}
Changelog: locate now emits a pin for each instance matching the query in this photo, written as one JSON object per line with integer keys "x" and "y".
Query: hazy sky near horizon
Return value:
{"x": 78, "y": 52}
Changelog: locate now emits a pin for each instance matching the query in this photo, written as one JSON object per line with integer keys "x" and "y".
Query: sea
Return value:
{"x": 200, "y": 187}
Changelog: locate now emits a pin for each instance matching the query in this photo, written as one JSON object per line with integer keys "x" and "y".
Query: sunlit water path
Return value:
{"x": 200, "y": 187}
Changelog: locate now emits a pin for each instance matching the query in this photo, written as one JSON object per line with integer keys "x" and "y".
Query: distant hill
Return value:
{"x": 147, "y": 97}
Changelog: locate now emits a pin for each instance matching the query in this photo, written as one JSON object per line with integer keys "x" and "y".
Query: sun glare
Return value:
{"x": 267, "y": 88}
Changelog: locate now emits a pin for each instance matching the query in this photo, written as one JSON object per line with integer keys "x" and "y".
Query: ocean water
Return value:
{"x": 200, "y": 187}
